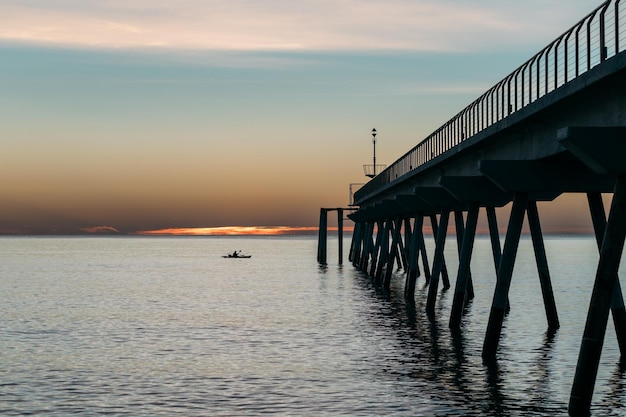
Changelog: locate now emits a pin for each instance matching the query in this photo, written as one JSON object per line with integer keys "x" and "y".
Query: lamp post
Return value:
{"x": 374, "y": 141}
{"x": 371, "y": 170}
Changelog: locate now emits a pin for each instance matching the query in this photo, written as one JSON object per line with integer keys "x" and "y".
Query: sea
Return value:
{"x": 164, "y": 326}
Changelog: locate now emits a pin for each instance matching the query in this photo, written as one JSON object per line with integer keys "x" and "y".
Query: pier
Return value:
{"x": 556, "y": 124}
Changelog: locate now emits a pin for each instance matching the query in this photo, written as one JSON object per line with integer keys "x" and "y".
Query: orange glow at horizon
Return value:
{"x": 235, "y": 231}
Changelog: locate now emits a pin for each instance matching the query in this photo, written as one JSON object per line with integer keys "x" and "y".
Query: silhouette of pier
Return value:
{"x": 557, "y": 124}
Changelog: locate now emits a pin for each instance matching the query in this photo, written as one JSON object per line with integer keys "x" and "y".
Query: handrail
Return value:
{"x": 497, "y": 103}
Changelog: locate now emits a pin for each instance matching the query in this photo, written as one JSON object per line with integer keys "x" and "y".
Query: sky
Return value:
{"x": 144, "y": 115}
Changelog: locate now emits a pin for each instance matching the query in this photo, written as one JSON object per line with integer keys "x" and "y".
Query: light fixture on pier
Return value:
{"x": 372, "y": 170}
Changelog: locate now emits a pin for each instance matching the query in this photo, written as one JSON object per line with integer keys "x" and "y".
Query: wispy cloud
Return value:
{"x": 100, "y": 230}
{"x": 279, "y": 25}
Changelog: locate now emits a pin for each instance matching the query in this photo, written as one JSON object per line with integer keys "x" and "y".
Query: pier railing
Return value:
{"x": 595, "y": 38}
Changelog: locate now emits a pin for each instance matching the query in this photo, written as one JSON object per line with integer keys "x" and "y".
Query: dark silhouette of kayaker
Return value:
{"x": 235, "y": 254}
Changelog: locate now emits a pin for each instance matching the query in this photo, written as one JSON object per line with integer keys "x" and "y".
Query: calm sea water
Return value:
{"x": 164, "y": 326}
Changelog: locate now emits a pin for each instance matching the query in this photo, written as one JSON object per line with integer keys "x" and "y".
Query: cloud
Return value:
{"x": 100, "y": 230}
{"x": 285, "y": 25}
{"x": 232, "y": 231}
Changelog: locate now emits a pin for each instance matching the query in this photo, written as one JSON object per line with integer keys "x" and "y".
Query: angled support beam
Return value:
{"x": 380, "y": 230}
{"x": 396, "y": 226}
{"x": 463, "y": 275}
{"x": 415, "y": 246}
{"x": 542, "y": 265}
{"x": 401, "y": 249}
{"x": 443, "y": 269}
{"x": 598, "y": 314}
{"x": 505, "y": 271}
{"x": 618, "y": 310}
{"x": 383, "y": 256}
{"x": 422, "y": 249}
{"x": 459, "y": 224}
{"x": 496, "y": 248}
{"x": 371, "y": 245}
{"x": 355, "y": 244}
{"x": 494, "y": 235}
{"x": 408, "y": 235}
{"x": 367, "y": 245}
{"x": 438, "y": 261}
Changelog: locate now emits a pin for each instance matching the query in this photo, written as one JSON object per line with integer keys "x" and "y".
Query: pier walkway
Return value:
{"x": 557, "y": 124}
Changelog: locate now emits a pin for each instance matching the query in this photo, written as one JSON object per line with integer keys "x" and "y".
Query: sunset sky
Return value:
{"x": 154, "y": 114}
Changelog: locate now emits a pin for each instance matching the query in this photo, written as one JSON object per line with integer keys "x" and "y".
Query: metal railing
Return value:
{"x": 592, "y": 40}
{"x": 371, "y": 170}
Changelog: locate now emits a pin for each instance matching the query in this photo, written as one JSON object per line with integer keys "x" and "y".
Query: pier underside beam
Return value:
{"x": 553, "y": 175}
{"x": 476, "y": 189}
{"x": 601, "y": 148}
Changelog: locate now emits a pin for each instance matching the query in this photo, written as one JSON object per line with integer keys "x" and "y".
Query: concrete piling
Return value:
{"x": 463, "y": 275}
{"x": 438, "y": 261}
{"x": 601, "y": 297}
{"x": 322, "y": 236}
{"x": 415, "y": 247}
{"x": 340, "y": 234}
{"x": 542, "y": 265}
{"x": 596, "y": 206}
{"x": 505, "y": 271}
{"x": 443, "y": 270}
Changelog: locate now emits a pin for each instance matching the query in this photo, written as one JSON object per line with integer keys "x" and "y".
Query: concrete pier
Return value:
{"x": 550, "y": 127}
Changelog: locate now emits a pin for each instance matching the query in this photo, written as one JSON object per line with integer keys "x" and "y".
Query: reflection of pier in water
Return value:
{"x": 445, "y": 360}
{"x": 555, "y": 125}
